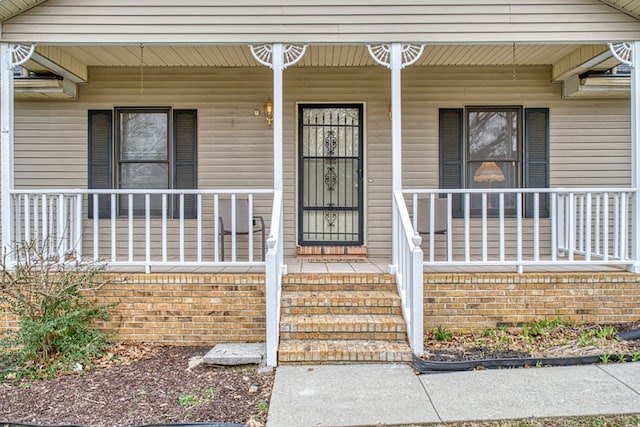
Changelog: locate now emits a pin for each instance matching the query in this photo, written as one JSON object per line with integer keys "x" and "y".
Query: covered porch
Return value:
{"x": 569, "y": 204}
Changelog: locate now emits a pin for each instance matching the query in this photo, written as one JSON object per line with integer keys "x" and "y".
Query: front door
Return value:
{"x": 330, "y": 171}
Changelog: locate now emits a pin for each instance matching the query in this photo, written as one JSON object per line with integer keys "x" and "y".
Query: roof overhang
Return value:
{"x": 630, "y": 7}
{"x": 51, "y": 88}
{"x": 11, "y": 8}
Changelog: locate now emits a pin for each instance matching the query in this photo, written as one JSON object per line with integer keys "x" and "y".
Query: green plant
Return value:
{"x": 528, "y": 335}
{"x": 622, "y": 358}
{"x": 263, "y": 406}
{"x": 635, "y": 356}
{"x": 196, "y": 398}
{"x": 188, "y": 400}
{"x": 442, "y": 334}
{"x": 606, "y": 332}
{"x": 586, "y": 339}
{"x": 47, "y": 296}
{"x": 605, "y": 358}
{"x": 545, "y": 325}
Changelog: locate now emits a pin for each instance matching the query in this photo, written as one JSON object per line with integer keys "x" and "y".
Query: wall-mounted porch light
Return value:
{"x": 268, "y": 111}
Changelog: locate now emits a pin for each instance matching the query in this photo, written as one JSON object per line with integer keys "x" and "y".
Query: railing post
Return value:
{"x": 77, "y": 222}
{"x": 417, "y": 298}
{"x": 271, "y": 278}
{"x": 274, "y": 269}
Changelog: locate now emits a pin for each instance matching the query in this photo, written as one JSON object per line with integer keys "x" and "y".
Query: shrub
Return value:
{"x": 46, "y": 296}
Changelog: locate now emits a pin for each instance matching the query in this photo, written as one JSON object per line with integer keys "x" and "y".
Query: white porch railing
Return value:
{"x": 561, "y": 226}
{"x": 141, "y": 231}
{"x": 408, "y": 272}
{"x": 145, "y": 228}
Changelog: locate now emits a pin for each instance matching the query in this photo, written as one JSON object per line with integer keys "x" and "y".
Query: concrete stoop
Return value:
{"x": 341, "y": 318}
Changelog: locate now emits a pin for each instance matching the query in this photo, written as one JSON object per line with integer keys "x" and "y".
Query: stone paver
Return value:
{"x": 235, "y": 354}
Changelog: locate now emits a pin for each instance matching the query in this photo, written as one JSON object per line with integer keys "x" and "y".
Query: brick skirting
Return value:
{"x": 477, "y": 301}
{"x": 183, "y": 309}
{"x": 205, "y": 309}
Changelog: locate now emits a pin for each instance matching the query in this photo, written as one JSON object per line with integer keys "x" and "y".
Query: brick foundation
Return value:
{"x": 205, "y": 309}
{"x": 477, "y": 301}
{"x": 183, "y": 309}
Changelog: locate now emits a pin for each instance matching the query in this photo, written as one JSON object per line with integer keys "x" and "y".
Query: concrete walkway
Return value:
{"x": 372, "y": 395}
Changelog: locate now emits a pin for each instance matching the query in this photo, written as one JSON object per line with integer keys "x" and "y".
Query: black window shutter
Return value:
{"x": 451, "y": 150}
{"x": 100, "y": 153}
{"x": 536, "y": 157}
{"x": 185, "y": 159}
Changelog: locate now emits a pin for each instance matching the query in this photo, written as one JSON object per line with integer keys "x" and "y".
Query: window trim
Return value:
{"x": 534, "y": 149}
{"x": 107, "y": 139}
{"x": 118, "y": 162}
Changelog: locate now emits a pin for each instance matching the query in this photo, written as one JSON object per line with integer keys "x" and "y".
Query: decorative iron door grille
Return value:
{"x": 330, "y": 169}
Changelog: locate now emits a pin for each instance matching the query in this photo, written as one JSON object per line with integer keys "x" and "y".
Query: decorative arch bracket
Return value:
{"x": 292, "y": 54}
{"x": 623, "y": 52}
{"x": 21, "y": 53}
{"x": 381, "y": 53}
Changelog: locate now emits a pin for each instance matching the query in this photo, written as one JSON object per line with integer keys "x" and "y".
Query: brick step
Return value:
{"x": 343, "y": 351}
{"x": 338, "y": 282}
{"x": 341, "y": 302}
{"x": 342, "y": 327}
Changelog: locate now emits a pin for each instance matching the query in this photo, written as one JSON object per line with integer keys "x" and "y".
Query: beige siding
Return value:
{"x": 308, "y": 21}
{"x": 589, "y": 138}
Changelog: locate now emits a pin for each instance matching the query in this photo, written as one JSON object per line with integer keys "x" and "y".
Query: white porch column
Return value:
{"x": 10, "y": 56}
{"x": 278, "y": 67}
{"x": 395, "y": 64}
{"x": 395, "y": 56}
{"x": 278, "y": 56}
{"x": 635, "y": 155}
{"x": 629, "y": 54}
{"x": 6, "y": 92}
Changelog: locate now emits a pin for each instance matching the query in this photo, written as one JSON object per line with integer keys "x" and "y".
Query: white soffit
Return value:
{"x": 630, "y": 7}
{"x": 316, "y": 56}
{"x": 10, "y": 8}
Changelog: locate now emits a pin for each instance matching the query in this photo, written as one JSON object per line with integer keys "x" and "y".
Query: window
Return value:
{"x": 495, "y": 147}
{"x": 142, "y": 140}
{"x": 153, "y": 148}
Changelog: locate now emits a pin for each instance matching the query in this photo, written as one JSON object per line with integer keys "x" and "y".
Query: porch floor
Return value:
{"x": 367, "y": 265}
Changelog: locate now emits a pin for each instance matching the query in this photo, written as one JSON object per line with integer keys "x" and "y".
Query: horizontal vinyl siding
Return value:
{"x": 249, "y": 21}
{"x": 589, "y": 138}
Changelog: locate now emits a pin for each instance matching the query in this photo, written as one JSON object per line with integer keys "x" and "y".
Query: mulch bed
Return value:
{"x": 136, "y": 385}
{"x": 562, "y": 341}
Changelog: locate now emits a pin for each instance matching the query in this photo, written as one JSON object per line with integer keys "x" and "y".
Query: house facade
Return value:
{"x": 154, "y": 135}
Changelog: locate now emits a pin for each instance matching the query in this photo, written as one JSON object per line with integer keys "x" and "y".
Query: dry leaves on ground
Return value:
{"x": 138, "y": 384}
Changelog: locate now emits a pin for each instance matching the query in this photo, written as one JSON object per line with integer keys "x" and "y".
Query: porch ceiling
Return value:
{"x": 10, "y": 8}
{"x": 630, "y": 7}
{"x": 316, "y": 56}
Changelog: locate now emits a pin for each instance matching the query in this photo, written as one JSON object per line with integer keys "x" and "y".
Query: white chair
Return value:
{"x": 242, "y": 222}
{"x": 424, "y": 216}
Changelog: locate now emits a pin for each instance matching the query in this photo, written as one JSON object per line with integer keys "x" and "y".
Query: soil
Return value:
{"x": 551, "y": 340}
{"x": 137, "y": 384}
